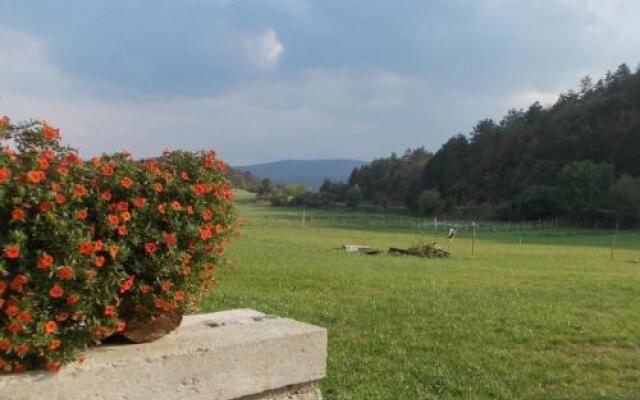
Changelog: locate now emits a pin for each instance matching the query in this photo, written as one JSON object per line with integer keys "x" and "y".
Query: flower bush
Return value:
{"x": 86, "y": 246}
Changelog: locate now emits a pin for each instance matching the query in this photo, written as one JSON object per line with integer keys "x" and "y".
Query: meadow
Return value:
{"x": 537, "y": 313}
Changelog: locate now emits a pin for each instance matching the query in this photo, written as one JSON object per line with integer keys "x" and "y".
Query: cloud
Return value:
{"x": 264, "y": 50}
{"x": 526, "y": 98}
{"x": 293, "y": 78}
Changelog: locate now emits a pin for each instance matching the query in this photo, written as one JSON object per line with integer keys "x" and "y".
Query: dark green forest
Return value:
{"x": 577, "y": 160}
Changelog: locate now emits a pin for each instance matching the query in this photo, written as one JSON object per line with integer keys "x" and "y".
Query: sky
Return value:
{"x": 265, "y": 80}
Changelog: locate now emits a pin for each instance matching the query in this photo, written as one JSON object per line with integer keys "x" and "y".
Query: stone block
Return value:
{"x": 218, "y": 356}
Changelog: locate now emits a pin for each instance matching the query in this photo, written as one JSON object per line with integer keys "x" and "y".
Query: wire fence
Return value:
{"x": 521, "y": 232}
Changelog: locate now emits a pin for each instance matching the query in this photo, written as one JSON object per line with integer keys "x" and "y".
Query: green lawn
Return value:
{"x": 553, "y": 318}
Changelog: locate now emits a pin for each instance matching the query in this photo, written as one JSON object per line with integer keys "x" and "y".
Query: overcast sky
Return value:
{"x": 265, "y": 80}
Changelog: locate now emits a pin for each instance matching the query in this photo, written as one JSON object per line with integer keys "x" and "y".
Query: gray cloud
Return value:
{"x": 294, "y": 78}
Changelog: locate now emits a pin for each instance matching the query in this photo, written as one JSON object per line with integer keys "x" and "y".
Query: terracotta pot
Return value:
{"x": 148, "y": 330}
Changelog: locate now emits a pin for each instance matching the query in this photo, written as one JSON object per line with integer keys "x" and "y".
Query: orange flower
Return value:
{"x": 62, "y": 170}
{"x": 56, "y": 292}
{"x": 5, "y": 344}
{"x": 36, "y": 176}
{"x": 59, "y": 199}
{"x": 123, "y": 206}
{"x": 176, "y": 206}
{"x": 62, "y": 316}
{"x": 45, "y": 261}
{"x": 100, "y": 260}
{"x": 43, "y": 163}
{"x": 208, "y": 215}
{"x": 158, "y": 187}
{"x": 159, "y": 303}
{"x": 123, "y": 230}
{"x": 80, "y": 190}
{"x": 90, "y": 276}
{"x": 25, "y": 316}
{"x": 145, "y": 289}
{"x": 121, "y": 326}
{"x": 138, "y": 202}
{"x": 127, "y": 285}
{"x": 206, "y": 233}
{"x": 5, "y": 173}
{"x": 108, "y": 170}
{"x": 50, "y": 133}
{"x": 18, "y": 214}
{"x": 110, "y": 311}
{"x": 186, "y": 271}
{"x": 105, "y": 196}
{"x": 166, "y": 286}
{"x": 98, "y": 245}
{"x": 126, "y": 216}
{"x": 22, "y": 349}
{"x": 209, "y": 162}
{"x": 3, "y": 287}
{"x": 55, "y": 343}
{"x": 102, "y": 332}
{"x": 50, "y": 327}
{"x": 73, "y": 299}
{"x": 184, "y": 175}
{"x": 18, "y": 281}
{"x": 53, "y": 366}
{"x": 49, "y": 154}
{"x": 113, "y": 219}
{"x": 180, "y": 296}
{"x": 82, "y": 215}
{"x": 150, "y": 247}
{"x": 162, "y": 208}
{"x": 200, "y": 189}
{"x": 113, "y": 250}
{"x": 66, "y": 273}
{"x": 14, "y": 327}
{"x": 170, "y": 239}
{"x": 45, "y": 207}
{"x": 12, "y": 252}
{"x": 12, "y": 311}
{"x": 86, "y": 248}
{"x": 126, "y": 182}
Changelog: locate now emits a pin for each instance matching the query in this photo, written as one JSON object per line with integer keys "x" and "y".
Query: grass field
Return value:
{"x": 553, "y": 318}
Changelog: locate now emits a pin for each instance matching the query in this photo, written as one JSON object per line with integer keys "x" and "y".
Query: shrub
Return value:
{"x": 87, "y": 246}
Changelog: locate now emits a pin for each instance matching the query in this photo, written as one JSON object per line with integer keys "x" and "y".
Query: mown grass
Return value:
{"x": 553, "y": 318}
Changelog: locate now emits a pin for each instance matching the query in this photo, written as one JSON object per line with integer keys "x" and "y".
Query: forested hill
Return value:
{"x": 579, "y": 159}
{"x": 310, "y": 173}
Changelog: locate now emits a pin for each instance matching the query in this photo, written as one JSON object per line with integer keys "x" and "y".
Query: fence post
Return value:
{"x": 473, "y": 239}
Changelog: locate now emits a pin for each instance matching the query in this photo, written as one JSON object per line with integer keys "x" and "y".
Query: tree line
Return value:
{"x": 578, "y": 160}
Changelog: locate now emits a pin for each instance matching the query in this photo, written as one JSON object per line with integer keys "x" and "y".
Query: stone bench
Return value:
{"x": 238, "y": 354}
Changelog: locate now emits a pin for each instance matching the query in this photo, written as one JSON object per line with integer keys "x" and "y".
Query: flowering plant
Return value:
{"x": 86, "y": 246}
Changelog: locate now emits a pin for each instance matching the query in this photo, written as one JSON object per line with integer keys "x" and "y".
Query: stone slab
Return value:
{"x": 217, "y": 356}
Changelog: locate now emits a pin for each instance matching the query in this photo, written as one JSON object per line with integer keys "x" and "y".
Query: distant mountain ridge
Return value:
{"x": 309, "y": 173}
